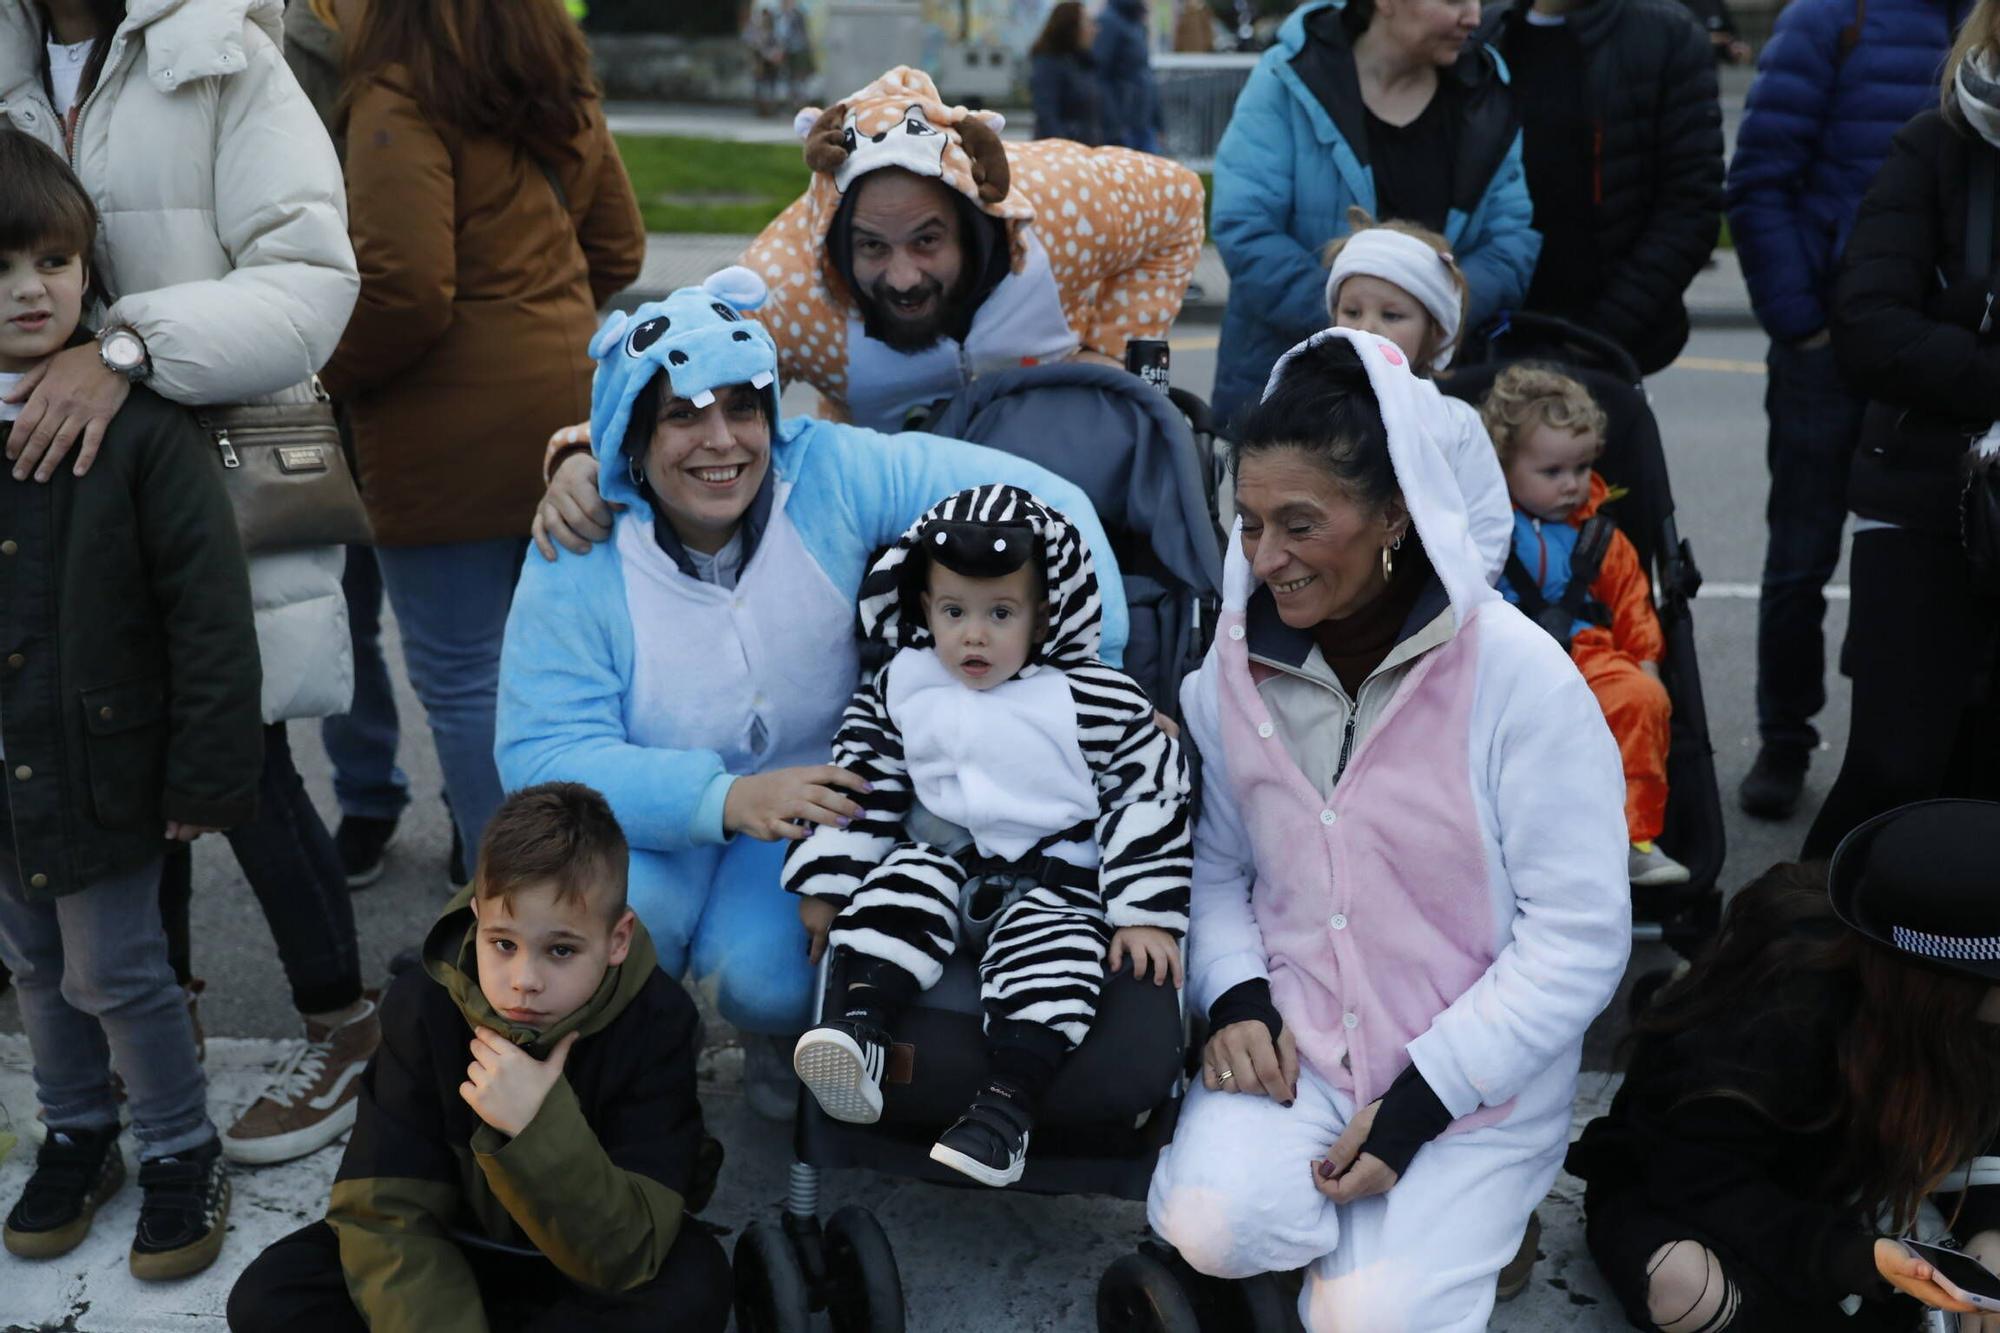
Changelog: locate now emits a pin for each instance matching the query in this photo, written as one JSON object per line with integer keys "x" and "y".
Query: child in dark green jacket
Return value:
{"x": 545, "y": 1183}
{"x": 128, "y": 718}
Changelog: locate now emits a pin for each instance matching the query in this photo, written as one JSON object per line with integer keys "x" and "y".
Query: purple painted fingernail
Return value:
{"x": 1286, "y": 1104}
{"x": 868, "y": 787}
{"x": 1325, "y": 1169}
{"x": 844, "y": 821}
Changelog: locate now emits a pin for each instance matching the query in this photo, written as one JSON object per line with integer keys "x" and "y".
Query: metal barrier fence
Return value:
{"x": 1197, "y": 97}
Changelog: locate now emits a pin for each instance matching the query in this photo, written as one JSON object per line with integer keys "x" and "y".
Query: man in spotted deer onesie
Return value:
{"x": 927, "y": 251}
{"x": 1019, "y": 790}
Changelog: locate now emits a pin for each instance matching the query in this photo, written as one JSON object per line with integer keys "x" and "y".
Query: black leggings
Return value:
{"x": 297, "y": 1286}
{"x": 1922, "y": 646}
{"x": 1623, "y": 1230}
{"x": 294, "y": 869}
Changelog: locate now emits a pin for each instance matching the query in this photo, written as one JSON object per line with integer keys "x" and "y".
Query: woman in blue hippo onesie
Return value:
{"x": 694, "y": 667}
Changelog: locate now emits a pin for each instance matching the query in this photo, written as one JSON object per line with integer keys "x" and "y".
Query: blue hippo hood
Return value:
{"x": 699, "y": 338}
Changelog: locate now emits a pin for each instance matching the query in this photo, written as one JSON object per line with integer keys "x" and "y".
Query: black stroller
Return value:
{"x": 1684, "y": 915}
{"x": 1134, "y": 452}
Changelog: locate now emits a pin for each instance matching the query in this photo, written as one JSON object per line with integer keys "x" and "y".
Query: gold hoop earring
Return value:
{"x": 1388, "y": 565}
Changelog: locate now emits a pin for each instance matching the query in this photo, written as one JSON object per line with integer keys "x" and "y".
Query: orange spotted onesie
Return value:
{"x": 1102, "y": 244}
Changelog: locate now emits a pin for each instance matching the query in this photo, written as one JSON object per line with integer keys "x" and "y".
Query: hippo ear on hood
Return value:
{"x": 607, "y": 336}
{"x": 738, "y": 287}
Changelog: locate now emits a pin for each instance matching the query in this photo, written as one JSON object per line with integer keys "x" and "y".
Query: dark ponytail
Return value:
{"x": 1324, "y": 407}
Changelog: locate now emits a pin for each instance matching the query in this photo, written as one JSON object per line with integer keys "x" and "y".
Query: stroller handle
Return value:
{"x": 1579, "y": 345}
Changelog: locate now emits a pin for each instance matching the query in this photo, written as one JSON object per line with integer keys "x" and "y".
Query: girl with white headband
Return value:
{"x": 1398, "y": 280}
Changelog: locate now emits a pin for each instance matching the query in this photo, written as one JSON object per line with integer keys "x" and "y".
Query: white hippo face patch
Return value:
{"x": 912, "y": 143}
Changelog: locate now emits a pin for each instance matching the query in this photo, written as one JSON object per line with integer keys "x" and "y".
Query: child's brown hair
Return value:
{"x": 1360, "y": 219}
{"x": 558, "y": 833}
{"x": 44, "y": 203}
{"x": 1526, "y": 396}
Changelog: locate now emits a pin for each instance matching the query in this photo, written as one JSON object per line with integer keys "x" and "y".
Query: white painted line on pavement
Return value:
{"x": 1748, "y": 592}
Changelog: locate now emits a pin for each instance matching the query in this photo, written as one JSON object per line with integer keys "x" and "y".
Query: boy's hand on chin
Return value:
{"x": 504, "y": 1085}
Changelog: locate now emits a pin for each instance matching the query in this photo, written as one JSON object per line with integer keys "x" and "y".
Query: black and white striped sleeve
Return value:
{"x": 1143, "y": 841}
{"x": 832, "y": 862}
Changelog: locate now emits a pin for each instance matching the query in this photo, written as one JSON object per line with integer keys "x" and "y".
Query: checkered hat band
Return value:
{"x": 1961, "y": 948}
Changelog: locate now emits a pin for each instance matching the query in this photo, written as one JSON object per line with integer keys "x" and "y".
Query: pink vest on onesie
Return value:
{"x": 1374, "y": 904}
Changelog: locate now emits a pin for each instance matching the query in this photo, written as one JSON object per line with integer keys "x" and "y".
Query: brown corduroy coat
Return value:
{"x": 478, "y": 299}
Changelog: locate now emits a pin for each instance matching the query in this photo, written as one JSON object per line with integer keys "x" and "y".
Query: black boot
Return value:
{"x": 75, "y": 1172}
{"x": 1772, "y": 788}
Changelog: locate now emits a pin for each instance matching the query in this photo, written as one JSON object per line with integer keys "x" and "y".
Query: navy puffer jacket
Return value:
{"x": 1835, "y": 83}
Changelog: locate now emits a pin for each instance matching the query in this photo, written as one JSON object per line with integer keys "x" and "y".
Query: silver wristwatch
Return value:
{"x": 123, "y": 351}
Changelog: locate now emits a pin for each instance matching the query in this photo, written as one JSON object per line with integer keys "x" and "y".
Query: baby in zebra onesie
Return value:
{"x": 1018, "y": 786}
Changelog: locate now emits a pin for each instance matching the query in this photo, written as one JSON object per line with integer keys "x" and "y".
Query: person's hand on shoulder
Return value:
{"x": 66, "y": 403}
{"x": 504, "y": 1085}
{"x": 572, "y": 512}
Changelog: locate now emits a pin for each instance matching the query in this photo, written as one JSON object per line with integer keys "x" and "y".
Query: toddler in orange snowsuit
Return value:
{"x": 1580, "y": 578}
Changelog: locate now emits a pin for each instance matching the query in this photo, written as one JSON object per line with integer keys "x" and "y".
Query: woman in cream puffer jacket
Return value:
{"x": 233, "y": 265}
{"x": 224, "y": 245}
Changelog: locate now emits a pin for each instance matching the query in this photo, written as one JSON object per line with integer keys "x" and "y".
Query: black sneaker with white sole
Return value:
{"x": 75, "y": 1172}
{"x": 361, "y": 841}
{"x": 990, "y": 1141}
{"x": 184, "y": 1213}
{"x": 841, "y": 1064}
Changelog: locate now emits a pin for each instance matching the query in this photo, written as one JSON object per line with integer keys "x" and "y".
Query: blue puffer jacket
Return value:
{"x": 1287, "y": 170}
{"x": 1829, "y": 95}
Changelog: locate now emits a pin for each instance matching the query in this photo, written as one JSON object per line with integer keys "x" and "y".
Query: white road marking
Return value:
{"x": 1747, "y": 592}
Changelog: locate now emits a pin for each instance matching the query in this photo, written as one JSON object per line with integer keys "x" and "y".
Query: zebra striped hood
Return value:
{"x": 889, "y": 607}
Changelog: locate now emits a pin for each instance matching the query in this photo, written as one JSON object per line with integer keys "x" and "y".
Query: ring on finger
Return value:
{"x": 1225, "y": 1075}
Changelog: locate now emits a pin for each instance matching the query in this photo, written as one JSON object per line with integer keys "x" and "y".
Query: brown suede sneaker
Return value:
{"x": 311, "y": 1101}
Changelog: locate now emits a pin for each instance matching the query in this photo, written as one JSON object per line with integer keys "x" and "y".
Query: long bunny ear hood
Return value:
{"x": 900, "y": 121}
{"x": 700, "y": 338}
{"x": 1418, "y": 423}
{"x": 1005, "y": 516}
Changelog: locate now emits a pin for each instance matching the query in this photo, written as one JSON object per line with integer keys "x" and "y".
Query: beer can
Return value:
{"x": 1148, "y": 358}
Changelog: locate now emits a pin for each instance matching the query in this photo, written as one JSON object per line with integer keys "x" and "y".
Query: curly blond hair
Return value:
{"x": 1526, "y": 396}
{"x": 1360, "y": 219}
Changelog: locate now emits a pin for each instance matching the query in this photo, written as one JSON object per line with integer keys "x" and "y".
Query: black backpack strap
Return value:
{"x": 1527, "y": 592}
{"x": 1586, "y": 562}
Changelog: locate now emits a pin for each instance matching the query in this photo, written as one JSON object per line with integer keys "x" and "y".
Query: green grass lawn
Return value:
{"x": 712, "y": 186}
{"x": 708, "y": 185}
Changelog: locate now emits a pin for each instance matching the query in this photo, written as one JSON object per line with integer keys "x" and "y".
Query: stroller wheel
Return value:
{"x": 1140, "y": 1294}
{"x": 866, "y": 1293}
{"x": 1268, "y": 1305}
{"x": 770, "y": 1285}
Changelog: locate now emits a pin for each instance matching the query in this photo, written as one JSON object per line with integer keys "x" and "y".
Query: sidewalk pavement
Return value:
{"x": 1717, "y": 298}
{"x": 979, "y": 1261}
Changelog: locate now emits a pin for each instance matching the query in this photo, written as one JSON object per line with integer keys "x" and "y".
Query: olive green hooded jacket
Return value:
{"x": 597, "y": 1181}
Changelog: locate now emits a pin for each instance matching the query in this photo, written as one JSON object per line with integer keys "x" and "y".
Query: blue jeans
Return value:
{"x": 361, "y": 743}
{"x": 1815, "y": 423}
{"x": 451, "y": 603}
{"x": 719, "y": 915}
{"x": 91, "y": 971}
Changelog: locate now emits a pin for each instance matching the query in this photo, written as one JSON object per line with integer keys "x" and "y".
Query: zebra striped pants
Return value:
{"x": 1043, "y": 960}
